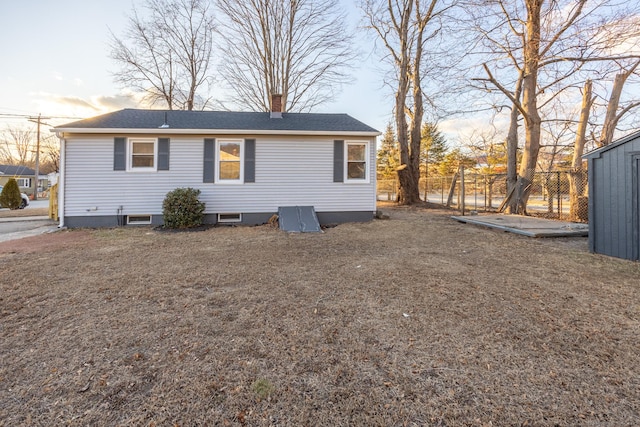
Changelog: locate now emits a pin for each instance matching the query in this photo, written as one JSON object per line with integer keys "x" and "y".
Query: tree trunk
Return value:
{"x": 409, "y": 138}
{"x": 404, "y": 175}
{"x": 612, "y": 117}
{"x": 512, "y": 146}
{"x": 452, "y": 189}
{"x": 530, "y": 106}
{"x": 409, "y": 191}
{"x": 577, "y": 177}
{"x": 412, "y": 190}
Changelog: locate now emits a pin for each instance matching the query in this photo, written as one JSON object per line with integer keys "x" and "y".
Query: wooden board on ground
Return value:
{"x": 527, "y": 225}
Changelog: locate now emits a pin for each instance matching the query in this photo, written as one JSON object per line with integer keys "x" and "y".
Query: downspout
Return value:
{"x": 61, "y": 179}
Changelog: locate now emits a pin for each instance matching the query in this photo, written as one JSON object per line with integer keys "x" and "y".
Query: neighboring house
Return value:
{"x": 22, "y": 174}
{"x": 117, "y": 168}
{"x": 614, "y": 198}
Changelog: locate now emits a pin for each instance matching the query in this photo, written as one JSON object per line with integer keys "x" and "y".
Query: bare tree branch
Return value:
{"x": 167, "y": 56}
{"x": 300, "y": 49}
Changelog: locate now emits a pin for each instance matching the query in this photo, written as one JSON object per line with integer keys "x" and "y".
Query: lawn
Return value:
{"x": 413, "y": 321}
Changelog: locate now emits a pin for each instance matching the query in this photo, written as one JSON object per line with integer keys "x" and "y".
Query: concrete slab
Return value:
{"x": 527, "y": 225}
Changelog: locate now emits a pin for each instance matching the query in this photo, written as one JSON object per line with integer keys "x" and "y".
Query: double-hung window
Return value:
{"x": 142, "y": 154}
{"x": 230, "y": 157}
{"x": 356, "y": 165}
{"x": 24, "y": 182}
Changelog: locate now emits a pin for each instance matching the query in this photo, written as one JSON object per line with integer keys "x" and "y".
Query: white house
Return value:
{"x": 117, "y": 168}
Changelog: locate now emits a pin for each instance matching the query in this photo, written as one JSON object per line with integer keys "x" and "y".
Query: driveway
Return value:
{"x": 18, "y": 227}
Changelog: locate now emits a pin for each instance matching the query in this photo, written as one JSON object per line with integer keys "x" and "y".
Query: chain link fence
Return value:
{"x": 549, "y": 196}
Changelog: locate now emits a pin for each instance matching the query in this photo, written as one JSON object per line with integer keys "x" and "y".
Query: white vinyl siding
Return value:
{"x": 288, "y": 172}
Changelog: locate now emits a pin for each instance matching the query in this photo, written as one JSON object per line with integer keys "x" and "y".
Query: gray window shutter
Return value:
{"x": 338, "y": 161}
{"x": 163, "y": 154}
{"x": 249, "y": 160}
{"x": 119, "y": 154}
{"x": 209, "y": 163}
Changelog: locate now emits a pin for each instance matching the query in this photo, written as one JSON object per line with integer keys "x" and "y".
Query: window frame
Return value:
{"x": 218, "y": 161}
{"x": 21, "y": 181}
{"x": 367, "y": 160}
{"x": 229, "y": 218}
{"x": 130, "y": 167}
{"x": 137, "y": 219}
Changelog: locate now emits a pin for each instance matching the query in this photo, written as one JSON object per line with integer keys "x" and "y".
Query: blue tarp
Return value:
{"x": 298, "y": 219}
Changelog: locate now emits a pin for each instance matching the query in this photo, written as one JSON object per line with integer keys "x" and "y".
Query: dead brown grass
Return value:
{"x": 418, "y": 320}
{"x": 18, "y": 213}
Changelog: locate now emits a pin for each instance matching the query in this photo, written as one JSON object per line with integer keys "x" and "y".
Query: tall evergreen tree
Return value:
{"x": 388, "y": 154}
{"x": 433, "y": 146}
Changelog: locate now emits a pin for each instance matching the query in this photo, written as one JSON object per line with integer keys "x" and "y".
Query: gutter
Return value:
{"x": 170, "y": 131}
{"x": 61, "y": 179}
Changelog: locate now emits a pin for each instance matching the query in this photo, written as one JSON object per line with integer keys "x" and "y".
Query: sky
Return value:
{"x": 55, "y": 62}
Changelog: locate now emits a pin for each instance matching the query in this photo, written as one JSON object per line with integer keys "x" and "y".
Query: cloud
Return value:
{"x": 78, "y": 107}
{"x": 116, "y": 102}
{"x": 72, "y": 101}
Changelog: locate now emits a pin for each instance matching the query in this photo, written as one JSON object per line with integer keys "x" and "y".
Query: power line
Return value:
{"x": 29, "y": 116}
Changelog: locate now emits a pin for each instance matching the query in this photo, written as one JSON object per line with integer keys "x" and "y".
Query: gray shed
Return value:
{"x": 614, "y": 198}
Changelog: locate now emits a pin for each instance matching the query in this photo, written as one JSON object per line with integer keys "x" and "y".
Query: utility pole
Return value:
{"x": 37, "y": 120}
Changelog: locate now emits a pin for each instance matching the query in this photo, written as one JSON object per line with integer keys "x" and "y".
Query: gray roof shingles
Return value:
{"x": 16, "y": 170}
{"x": 221, "y": 120}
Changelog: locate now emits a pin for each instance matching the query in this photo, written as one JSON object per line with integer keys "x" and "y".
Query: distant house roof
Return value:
{"x": 225, "y": 122}
{"x": 12, "y": 170}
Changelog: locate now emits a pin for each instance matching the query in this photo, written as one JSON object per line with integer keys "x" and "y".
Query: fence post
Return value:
{"x": 475, "y": 192}
{"x": 559, "y": 195}
{"x": 485, "y": 192}
{"x": 462, "y": 192}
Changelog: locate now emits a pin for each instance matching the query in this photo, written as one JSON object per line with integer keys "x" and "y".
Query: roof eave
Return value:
{"x": 598, "y": 151}
{"x": 169, "y": 131}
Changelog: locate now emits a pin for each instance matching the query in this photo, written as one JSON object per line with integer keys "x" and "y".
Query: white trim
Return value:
{"x": 145, "y": 222}
{"x": 367, "y": 160}
{"x": 218, "y": 158}
{"x": 229, "y": 220}
{"x": 154, "y": 131}
{"x": 20, "y": 181}
{"x": 129, "y": 153}
{"x": 61, "y": 181}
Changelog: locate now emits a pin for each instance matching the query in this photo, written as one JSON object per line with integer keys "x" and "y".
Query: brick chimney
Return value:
{"x": 276, "y": 106}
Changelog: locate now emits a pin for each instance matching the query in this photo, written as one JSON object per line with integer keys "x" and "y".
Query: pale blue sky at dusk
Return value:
{"x": 55, "y": 61}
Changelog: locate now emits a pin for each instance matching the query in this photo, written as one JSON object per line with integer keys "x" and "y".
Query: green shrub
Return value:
{"x": 10, "y": 196}
{"x": 182, "y": 209}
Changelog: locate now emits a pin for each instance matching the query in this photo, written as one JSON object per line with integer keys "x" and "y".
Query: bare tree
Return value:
{"x": 577, "y": 177}
{"x": 545, "y": 43}
{"x": 18, "y": 146}
{"x": 50, "y": 149}
{"x": 404, "y": 27}
{"x": 167, "y": 54}
{"x": 301, "y": 49}
{"x": 614, "y": 113}
{"x": 492, "y": 153}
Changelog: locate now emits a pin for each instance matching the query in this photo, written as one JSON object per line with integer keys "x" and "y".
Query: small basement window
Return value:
{"x": 229, "y": 217}
{"x": 138, "y": 219}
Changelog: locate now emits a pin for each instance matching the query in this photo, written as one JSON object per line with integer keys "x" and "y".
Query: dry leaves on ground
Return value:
{"x": 417, "y": 320}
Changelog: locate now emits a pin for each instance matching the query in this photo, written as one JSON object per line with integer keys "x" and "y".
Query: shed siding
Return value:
{"x": 612, "y": 226}
{"x": 288, "y": 171}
